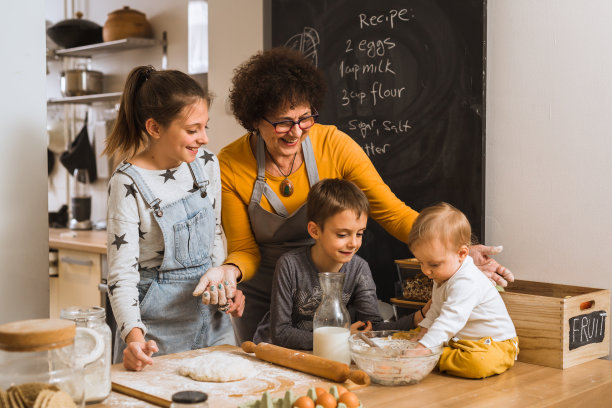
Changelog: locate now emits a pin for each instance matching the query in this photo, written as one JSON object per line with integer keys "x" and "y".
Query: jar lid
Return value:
{"x": 126, "y": 10}
{"x": 82, "y": 314}
{"x": 189, "y": 397}
{"x": 36, "y": 334}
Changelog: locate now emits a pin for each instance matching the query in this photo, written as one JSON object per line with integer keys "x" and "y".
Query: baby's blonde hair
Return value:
{"x": 444, "y": 222}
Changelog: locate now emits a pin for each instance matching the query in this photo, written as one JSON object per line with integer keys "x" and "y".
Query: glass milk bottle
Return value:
{"x": 92, "y": 349}
{"x": 331, "y": 322}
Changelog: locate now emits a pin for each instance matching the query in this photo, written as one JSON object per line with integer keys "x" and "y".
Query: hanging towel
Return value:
{"x": 80, "y": 154}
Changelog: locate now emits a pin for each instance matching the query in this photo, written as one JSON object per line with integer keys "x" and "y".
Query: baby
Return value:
{"x": 467, "y": 313}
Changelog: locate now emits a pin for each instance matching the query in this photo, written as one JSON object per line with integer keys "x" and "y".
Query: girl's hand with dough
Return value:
{"x": 138, "y": 352}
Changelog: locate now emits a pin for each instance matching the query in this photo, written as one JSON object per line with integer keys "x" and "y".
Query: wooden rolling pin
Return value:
{"x": 306, "y": 363}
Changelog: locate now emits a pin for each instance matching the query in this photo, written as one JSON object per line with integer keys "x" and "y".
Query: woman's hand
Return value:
{"x": 218, "y": 284}
{"x": 500, "y": 275}
{"x": 357, "y": 327}
{"x": 138, "y": 353}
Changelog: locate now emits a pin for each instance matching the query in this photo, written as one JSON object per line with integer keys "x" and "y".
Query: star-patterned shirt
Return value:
{"x": 135, "y": 241}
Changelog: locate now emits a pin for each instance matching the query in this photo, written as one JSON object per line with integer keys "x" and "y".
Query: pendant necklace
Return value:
{"x": 286, "y": 186}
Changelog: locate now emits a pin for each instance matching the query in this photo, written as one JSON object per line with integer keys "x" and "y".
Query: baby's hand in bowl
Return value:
{"x": 419, "y": 350}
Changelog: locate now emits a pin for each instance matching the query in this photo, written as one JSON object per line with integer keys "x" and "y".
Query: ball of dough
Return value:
{"x": 217, "y": 367}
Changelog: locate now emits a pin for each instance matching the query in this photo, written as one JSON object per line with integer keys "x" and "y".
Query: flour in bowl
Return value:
{"x": 217, "y": 367}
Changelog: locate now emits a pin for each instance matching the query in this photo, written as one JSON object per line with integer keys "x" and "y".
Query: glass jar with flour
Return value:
{"x": 92, "y": 349}
{"x": 38, "y": 365}
{"x": 331, "y": 321}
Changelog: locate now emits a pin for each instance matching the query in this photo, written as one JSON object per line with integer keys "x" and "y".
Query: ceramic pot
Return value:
{"x": 124, "y": 23}
{"x": 75, "y": 32}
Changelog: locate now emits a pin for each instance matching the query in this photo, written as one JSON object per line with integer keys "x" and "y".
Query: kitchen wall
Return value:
{"x": 229, "y": 45}
{"x": 549, "y": 103}
{"x": 24, "y": 279}
{"x": 548, "y": 189}
{"x": 171, "y": 17}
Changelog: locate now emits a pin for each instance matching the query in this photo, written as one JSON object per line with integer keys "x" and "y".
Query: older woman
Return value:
{"x": 267, "y": 173}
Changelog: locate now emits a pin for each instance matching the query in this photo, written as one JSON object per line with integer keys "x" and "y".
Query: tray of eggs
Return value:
{"x": 316, "y": 397}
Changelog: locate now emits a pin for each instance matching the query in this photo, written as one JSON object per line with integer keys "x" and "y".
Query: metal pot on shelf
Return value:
{"x": 80, "y": 81}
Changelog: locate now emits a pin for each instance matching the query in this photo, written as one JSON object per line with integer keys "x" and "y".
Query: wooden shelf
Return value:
{"x": 85, "y": 99}
{"x": 407, "y": 303}
{"x": 107, "y": 47}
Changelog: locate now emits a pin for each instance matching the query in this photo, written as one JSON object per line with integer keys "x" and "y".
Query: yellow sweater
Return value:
{"x": 337, "y": 156}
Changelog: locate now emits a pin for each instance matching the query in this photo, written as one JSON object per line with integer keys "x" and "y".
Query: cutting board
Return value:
{"x": 158, "y": 382}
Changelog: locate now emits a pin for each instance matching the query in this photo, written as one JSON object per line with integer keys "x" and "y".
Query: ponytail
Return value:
{"x": 148, "y": 93}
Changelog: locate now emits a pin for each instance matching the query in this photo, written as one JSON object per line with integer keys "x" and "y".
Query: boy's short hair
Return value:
{"x": 329, "y": 197}
{"x": 444, "y": 222}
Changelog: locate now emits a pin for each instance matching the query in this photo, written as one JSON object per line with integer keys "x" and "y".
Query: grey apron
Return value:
{"x": 275, "y": 234}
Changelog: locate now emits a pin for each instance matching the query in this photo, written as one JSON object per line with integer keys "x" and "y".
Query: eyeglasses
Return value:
{"x": 285, "y": 126}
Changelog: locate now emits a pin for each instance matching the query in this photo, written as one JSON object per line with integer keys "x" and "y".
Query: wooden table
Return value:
{"x": 524, "y": 385}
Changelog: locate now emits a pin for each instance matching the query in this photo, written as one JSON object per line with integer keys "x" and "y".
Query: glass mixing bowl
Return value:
{"x": 393, "y": 362}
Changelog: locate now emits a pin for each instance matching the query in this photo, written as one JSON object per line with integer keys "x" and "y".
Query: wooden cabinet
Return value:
{"x": 76, "y": 284}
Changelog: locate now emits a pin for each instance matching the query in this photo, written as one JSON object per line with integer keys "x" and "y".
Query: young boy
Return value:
{"x": 337, "y": 216}
{"x": 467, "y": 312}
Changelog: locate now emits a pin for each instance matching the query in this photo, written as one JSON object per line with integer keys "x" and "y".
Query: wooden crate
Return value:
{"x": 559, "y": 325}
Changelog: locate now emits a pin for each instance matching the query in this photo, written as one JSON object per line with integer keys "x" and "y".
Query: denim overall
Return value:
{"x": 175, "y": 319}
{"x": 275, "y": 234}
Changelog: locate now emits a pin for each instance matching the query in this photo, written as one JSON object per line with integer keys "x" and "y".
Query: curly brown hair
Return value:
{"x": 271, "y": 81}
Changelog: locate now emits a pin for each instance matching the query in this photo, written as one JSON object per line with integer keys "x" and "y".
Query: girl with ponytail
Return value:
{"x": 164, "y": 223}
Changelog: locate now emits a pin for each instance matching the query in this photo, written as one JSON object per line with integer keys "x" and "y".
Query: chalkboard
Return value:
{"x": 587, "y": 329}
{"x": 406, "y": 81}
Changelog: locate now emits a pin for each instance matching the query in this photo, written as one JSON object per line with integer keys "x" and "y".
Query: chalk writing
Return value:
{"x": 374, "y": 127}
{"x": 401, "y": 126}
{"x": 382, "y": 67}
{"x": 348, "y": 95}
{"x": 372, "y": 49}
{"x": 372, "y": 150}
{"x": 379, "y": 92}
{"x": 587, "y": 328}
{"x": 388, "y": 18}
{"x": 364, "y": 127}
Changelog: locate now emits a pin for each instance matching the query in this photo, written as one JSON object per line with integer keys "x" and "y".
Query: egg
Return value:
{"x": 319, "y": 390}
{"x": 341, "y": 390}
{"x": 349, "y": 399}
{"x": 303, "y": 402}
{"x": 326, "y": 400}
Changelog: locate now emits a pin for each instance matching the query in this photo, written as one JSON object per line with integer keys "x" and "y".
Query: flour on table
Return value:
{"x": 217, "y": 367}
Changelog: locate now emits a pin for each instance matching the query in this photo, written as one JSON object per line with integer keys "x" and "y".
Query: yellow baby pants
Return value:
{"x": 478, "y": 358}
